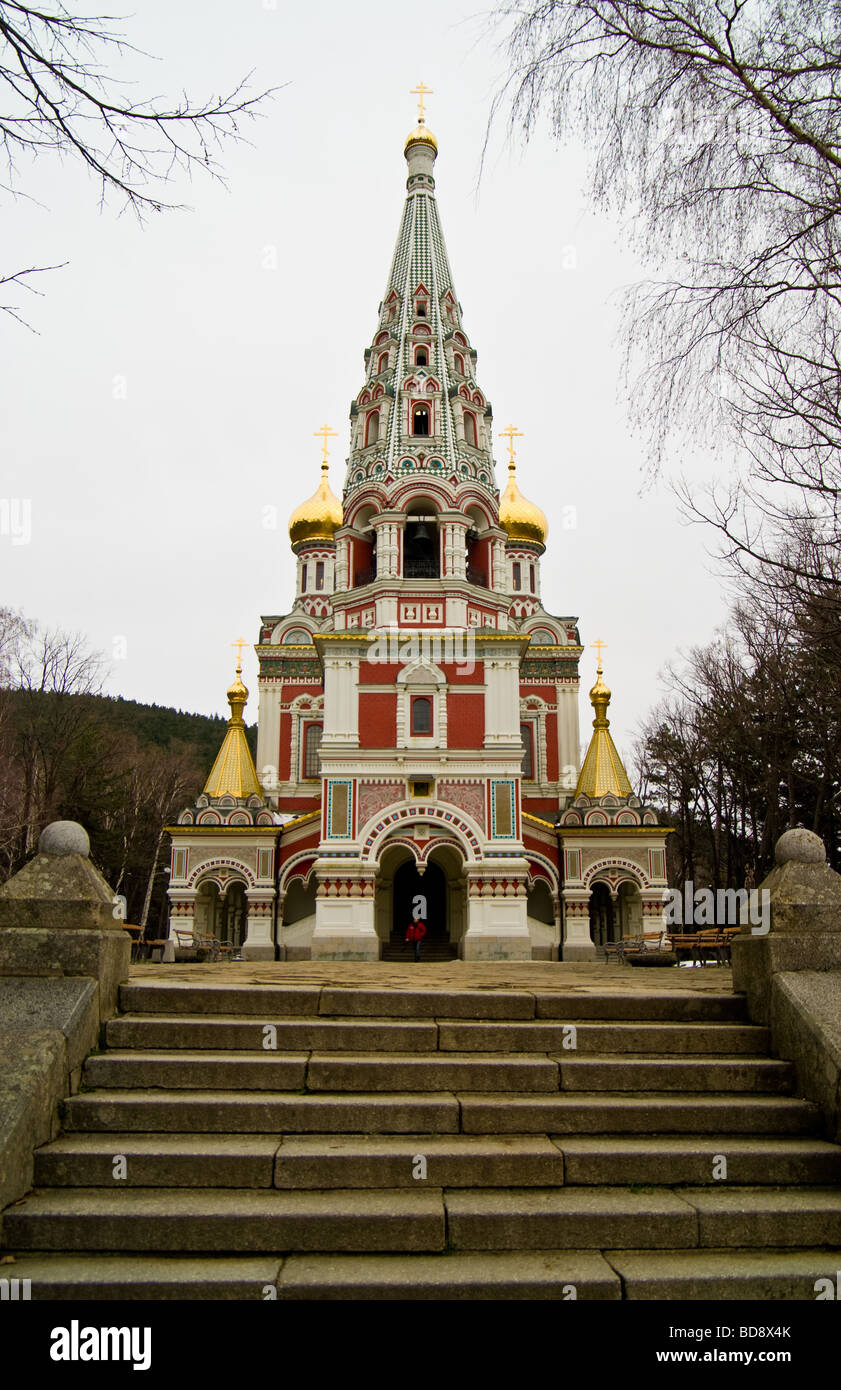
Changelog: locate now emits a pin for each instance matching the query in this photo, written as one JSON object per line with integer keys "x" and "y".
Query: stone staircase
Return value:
{"x": 422, "y": 1143}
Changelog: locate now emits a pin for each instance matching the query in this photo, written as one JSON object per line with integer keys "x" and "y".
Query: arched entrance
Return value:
{"x": 432, "y": 885}
{"x": 442, "y": 883}
{"x": 603, "y": 925}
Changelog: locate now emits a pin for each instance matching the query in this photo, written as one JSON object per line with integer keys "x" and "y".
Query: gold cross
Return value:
{"x": 420, "y": 92}
{"x": 323, "y": 435}
{"x": 239, "y": 644}
{"x": 599, "y": 644}
{"x": 510, "y": 434}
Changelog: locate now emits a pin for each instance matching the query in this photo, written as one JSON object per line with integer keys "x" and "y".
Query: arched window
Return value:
{"x": 517, "y": 575}
{"x": 372, "y": 427}
{"x": 420, "y": 419}
{"x": 310, "y": 757}
{"x": 458, "y": 363}
{"x": 469, "y": 428}
{"x": 296, "y": 636}
{"x": 421, "y": 357}
{"x": 531, "y": 577}
{"x": 528, "y": 751}
{"x": 382, "y": 365}
{"x": 421, "y": 714}
{"x": 319, "y": 574}
{"x": 303, "y": 579}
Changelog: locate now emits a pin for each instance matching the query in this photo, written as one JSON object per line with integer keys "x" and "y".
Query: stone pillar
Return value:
{"x": 578, "y": 943}
{"x": 59, "y": 917}
{"x": 344, "y": 913}
{"x": 497, "y": 914}
{"x": 259, "y": 923}
{"x": 794, "y": 924}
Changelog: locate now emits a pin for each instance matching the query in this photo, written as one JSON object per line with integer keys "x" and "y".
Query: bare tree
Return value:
{"x": 716, "y": 128}
{"x": 61, "y": 95}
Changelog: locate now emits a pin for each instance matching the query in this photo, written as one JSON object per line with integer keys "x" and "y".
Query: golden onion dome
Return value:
{"x": 421, "y": 135}
{"x": 523, "y": 520}
{"x": 319, "y": 518}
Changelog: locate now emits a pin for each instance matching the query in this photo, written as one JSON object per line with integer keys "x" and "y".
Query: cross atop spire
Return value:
{"x": 420, "y": 92}
{"x": 511, "y": 434}
{"x": 323, "y": 434}
{"x": 598, "y": 644}
{"x": 239, "y": 644}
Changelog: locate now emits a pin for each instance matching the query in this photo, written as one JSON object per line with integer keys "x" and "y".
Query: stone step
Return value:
{"x": 665, "y": 1275}
{"x": 671, "y": 1006}
{"x": 238, "y": 1034}
{"x": 637, "y": 1113}
{"x": 85, "y": 1277}
{"x": 158, "y": 1160}
{"x": 569, "y": 1218}
{"x": 247, "y": 1034}
{"x": 267, "y": 1002}
{"x": 266, "y": 1071}
{"x": 493, "y": 1071}
{"x": 554, "y": 1037}
{"x": 344, "y": 1161}
{"x": 337, "y": 1071}
{"x": 450, "y": 1161}
{"x": 546, "y": 1275}
{"x": 673, "y": 1160}
{"x": 608, "y": 1218}
{"x": 271, "y": 1002}
{"x": 396, "y": 1219}
{"x": 723, "y": 1275}
{"x": 252, "y": 1221}
{"x": 238, "y": 1112}
{"x": 521, "y": 1275}
{"x": 655, "y": 1074}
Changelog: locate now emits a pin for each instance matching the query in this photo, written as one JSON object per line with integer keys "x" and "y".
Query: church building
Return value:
{"x": 418, "y": 736}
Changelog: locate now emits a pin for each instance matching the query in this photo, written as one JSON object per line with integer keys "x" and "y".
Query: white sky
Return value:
{"x": 147, "y": 512}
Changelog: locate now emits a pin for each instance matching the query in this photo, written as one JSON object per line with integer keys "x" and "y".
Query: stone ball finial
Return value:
{"x": 64, "y": 837}
{"x": 800, "y": 845}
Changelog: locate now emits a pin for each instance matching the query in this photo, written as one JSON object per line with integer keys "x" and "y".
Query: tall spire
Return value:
{"x": 233, "y": 773}
{"x": 420, "y": 408}
{"x": 602, "y": 772}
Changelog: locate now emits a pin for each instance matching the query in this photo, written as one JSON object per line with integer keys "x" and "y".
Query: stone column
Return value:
{"x": 578, "y": 943}
{"x": 344, "y": 913}
{"x": 259, "y": 922}
{"x": 58, "y": 916}
{"x": 793, "y": 924}
{"x": 497, "y": 915}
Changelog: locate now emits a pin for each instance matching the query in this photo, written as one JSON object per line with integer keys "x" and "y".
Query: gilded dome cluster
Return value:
{"x": 522, "y": 519}
{"x": 319, "y": 518}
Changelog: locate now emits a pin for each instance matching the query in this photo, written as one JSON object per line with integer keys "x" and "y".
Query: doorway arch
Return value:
{"x": 603, "y": 924}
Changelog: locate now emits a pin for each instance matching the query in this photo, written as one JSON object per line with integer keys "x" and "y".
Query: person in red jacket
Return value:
{"x": 415, "y": 932}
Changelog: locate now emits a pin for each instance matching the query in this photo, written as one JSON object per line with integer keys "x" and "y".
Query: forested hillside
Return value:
{"x": 124, "y": 770}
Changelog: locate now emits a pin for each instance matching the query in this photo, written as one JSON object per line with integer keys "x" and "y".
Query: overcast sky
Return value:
{"x": 148, "y": 504}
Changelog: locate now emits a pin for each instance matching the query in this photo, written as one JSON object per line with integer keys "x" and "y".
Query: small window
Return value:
{"x": 372, "y": 427}
{"x": 382, "y": 365}
{"x": 421, "y": 310}
{"x": 311, "y": 760}
{"x": 469, "y": 428}
{"x": 421, "y": 358}
{"x": 319, "y": 574}
{"x": 421, "y": 714}
{"x": 517, "y": 575}
{"x": 303, "y": 579}
{"x": 458, "y": 363}
{"x": 528, "y": 751}
{"x": 421, "y": 789}
{"x": 531, "y": 577}
{"x": 420, "y": 420}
